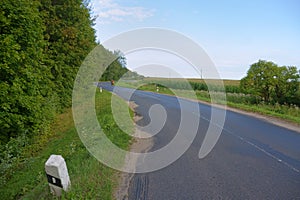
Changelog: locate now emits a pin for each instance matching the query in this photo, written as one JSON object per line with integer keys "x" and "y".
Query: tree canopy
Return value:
{"x": 272, "y": 83}
{"x": 24, "y": 82}
{"x": 42, "y": 44}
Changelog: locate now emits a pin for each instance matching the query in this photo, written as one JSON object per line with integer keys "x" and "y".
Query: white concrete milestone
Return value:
{"x": 57, "y": 174}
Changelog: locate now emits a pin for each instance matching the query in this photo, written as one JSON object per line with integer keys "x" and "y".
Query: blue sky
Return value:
{"x": 234, "y": 34}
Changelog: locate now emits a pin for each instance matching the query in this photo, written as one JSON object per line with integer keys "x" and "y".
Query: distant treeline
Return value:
{"x": 117, "y": 70}
{"x": 42, "y": 45}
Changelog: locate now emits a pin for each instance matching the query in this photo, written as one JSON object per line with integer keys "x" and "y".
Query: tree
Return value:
{"x": 42, "y": 45}
{"x": 25, "y": 102}
{"x": 70, "y": 37}
{"x": 270, "y": 82}
{"x": 116, "y": 69}
{"x": 287, "y": 84}
{"x": 260, "y": 79}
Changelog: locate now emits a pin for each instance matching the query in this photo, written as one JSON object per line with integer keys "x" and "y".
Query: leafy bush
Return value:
{"x": 272, "y": 83}
{"x": 10, "y": 154}
{"x": 42, "y": 45}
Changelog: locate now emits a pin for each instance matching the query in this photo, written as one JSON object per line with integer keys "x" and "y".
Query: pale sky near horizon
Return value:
{"x": 233, "y": 33}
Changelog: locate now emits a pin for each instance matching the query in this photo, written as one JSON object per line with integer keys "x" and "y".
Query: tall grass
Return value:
{"x": 90, "y": 179}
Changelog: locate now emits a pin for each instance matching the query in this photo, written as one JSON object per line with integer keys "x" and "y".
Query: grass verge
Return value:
{"x": 90, "y": 179}
{"x": 283, "y": 112}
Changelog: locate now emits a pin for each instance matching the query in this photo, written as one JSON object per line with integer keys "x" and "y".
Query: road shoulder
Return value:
{"x": 141, "y": 144}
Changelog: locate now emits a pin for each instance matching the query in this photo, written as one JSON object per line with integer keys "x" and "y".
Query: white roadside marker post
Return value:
{"x": 100, "y": 89}
{"x": 57, "y": 174}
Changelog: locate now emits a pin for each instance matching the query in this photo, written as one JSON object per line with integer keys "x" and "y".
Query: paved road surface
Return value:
{"x": 253, "y": 159}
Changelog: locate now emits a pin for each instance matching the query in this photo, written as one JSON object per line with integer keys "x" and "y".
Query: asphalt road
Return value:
{"x": 253, "y": 159}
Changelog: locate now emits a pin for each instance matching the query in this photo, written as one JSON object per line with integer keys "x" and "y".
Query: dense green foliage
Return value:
{"x": 42, "y": 44}
{"x": 70, "y": 37}
{"x": 117, "y": 70}
{"x": 25, "y": 86}
{"x": 272, "y": 83}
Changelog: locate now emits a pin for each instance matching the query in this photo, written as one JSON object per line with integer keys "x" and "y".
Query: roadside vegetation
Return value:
{"x": 267, "y": 89}
{"x": 42, "y": 46}
{"x": 90, "y": 179}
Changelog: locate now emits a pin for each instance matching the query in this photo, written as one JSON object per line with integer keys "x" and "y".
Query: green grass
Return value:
{"x": 90, "y": 179}
{"x": 286, "y": 113}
